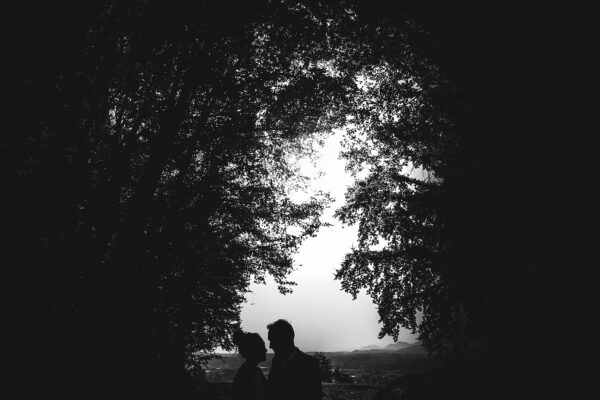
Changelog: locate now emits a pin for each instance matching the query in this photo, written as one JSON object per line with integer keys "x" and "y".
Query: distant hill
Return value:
{"x": 390, "y": 347}
{"x": 414, "y": 348}
{"x": 397, "y": 346}
{"x": 370, "y": 347}
{"x": 412, "y": 358}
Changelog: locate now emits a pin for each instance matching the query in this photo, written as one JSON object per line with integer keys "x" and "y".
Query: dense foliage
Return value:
{"x": 148, "y": 157}
{"x": 396, "y": 147}
{"x": 326, "y": 367}
{"x": 465, "y": 216}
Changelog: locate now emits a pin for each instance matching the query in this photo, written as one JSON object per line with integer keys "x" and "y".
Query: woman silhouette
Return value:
{"x": 249, "y": 382}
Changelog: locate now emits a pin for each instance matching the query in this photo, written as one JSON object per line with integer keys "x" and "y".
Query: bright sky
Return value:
{"x": 324, "y": 317}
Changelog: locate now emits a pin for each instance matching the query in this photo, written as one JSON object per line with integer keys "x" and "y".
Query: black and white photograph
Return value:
{"x": 295, "y": 199}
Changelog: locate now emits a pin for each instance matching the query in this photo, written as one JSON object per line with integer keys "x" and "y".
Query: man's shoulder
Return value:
{"x": 306, "y": 358}
{"x": 308, "y": 367}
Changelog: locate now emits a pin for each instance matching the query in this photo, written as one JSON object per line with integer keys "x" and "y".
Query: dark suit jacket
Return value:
{"x": 298, "y": 378}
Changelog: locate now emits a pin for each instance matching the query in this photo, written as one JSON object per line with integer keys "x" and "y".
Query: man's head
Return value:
{"x": 281, "y": 336}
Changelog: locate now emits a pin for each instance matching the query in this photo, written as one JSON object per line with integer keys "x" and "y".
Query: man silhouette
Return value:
{"x": 294, "y": 375}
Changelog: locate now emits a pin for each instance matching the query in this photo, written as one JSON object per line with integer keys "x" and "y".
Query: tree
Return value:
{"x": 326, "y": 367}
{"x": 147, "y": 155}
{"x": 400, "y": 142}
{"x": 468, "y": 250}
{"x": 155, "y": 189}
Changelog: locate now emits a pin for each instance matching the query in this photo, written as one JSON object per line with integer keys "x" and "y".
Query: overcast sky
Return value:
{"x": 324, "y": 317}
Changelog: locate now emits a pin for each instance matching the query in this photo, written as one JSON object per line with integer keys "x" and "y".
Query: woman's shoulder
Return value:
{"x": 246, "y": 372}
{"x": 242, "y": 372}
{"x": 248, "y": 385}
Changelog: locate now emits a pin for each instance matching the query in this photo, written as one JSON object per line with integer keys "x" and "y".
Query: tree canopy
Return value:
{"x": 461, "y": 201}
{"x": 148, "y": 156}
{"x": 449, "y": 220}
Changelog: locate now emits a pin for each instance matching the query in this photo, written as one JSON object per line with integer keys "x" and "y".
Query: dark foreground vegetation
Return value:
{"x": 147, "y": 150}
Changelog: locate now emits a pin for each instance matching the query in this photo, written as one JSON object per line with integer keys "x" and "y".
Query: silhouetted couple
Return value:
{"x": 294, "y": 375}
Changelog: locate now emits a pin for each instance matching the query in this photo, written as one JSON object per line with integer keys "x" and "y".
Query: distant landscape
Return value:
{"x": 370, "y": 368}
{"x": 392, "y": 346}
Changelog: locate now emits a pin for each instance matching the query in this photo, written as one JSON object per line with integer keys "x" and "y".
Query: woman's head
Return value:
{"x": 250, "y": 345}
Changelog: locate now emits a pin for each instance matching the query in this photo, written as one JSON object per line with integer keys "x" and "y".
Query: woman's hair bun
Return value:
{"x": 238, "y": 337}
